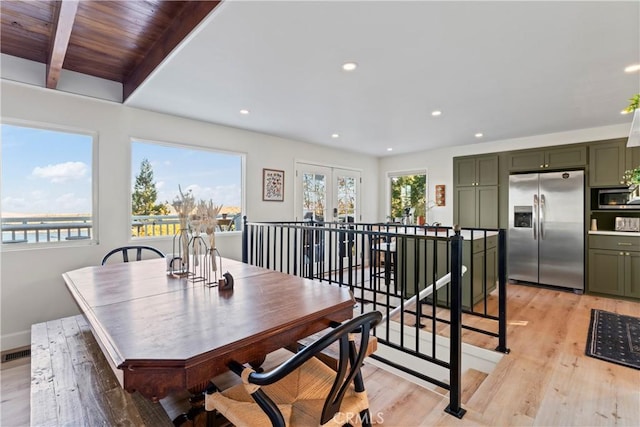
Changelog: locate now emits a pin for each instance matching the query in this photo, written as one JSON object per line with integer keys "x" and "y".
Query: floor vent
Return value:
{"x": 8, "y": 357}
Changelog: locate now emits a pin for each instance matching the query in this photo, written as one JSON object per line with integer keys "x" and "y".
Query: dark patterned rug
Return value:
{"x": 614, "y": 338}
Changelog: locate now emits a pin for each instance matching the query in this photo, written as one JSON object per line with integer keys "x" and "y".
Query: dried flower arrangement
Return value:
{"x": 184, "y": 204}
{"x": 208, "y": 213}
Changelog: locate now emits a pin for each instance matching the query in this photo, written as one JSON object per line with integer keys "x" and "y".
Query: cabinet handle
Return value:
{"x": 624, "y": 244}
{"x": 546, "y": 166}
{"x": 541, "y": 166}
{"x": 621, "y": 253}
{"x": 628, "y": 254}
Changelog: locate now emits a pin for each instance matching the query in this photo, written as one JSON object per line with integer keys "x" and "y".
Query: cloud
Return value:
{"x": 70, "y": 202}
{"x": 13, "y": 204}
{"x": 61, "y": 172}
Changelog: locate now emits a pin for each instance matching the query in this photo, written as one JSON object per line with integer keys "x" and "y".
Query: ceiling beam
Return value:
{"x": 61, "y": 32}
{"x": 192, "y": 14}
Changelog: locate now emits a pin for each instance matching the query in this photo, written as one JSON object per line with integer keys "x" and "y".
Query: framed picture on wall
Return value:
{"x": 272, "y": 185}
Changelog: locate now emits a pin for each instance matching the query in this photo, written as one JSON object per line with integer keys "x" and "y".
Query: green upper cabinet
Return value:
{"x": 633, "y": 157}
{"x": 572, "y": 156}
{"x": 525, "y": 160}
{"x": 476, "y": 197}
{"x": 476, "y": 170}
{"x": 607, "y": 162}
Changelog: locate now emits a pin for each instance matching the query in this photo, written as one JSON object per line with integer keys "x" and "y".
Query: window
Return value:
{"x": 408, "y": 196}
{"x": 47, "y": 185}
{"x": 160, "y": 171}
{"x": 327, "y": 194}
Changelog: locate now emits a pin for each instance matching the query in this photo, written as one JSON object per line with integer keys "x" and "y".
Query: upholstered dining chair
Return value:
{"x": 124, "y": 250}
{"x": 303, "y": 391}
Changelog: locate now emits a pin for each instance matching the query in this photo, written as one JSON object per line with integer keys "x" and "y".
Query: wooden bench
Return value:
{"x": 73, "y": 384}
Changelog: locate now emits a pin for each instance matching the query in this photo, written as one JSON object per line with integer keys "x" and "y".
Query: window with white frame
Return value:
{"x": 408, "y": 196}
{"x": 160, "y": 171}
{"x": 48, "y": 185}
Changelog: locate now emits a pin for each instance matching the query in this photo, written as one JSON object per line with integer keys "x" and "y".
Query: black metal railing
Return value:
{"x": 409, "y": 273}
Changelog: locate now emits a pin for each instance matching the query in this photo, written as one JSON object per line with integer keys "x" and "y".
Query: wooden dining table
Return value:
{"x": 162, "y": 334}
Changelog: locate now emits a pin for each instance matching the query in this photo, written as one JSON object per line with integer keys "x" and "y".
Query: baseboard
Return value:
{"x": 15, "y": 340}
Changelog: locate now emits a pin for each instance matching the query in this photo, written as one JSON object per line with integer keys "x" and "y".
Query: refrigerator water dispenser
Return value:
{"x": 522, "y": 216}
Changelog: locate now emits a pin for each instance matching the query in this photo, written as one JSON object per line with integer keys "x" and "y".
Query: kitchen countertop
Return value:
{"x": 616, "y": 233}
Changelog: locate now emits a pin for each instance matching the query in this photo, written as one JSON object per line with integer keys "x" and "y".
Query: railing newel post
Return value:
{"x": 502, "y": 292}
{"x": 455, "y": 356}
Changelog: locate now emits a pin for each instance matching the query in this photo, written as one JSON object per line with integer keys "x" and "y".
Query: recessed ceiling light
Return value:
{"x": 479, "y": 135}
{"x": 349, "y": 66}
{"x": 335, "y": 135}
{"x": 436, "y": 113}
{"x": 632, "y": 68}
{"x": 389, "y": 149}
{"x": 244, "y": 111}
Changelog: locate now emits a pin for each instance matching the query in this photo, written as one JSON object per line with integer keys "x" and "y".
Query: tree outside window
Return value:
{"x": 145, "y": 195}
{"x": 407, "y": 192}
{"x": 161, "y": 170}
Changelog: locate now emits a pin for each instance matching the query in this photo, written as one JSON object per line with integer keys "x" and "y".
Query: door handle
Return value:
{"x": 535, "y": 217}
{"x": 542, "y": 208}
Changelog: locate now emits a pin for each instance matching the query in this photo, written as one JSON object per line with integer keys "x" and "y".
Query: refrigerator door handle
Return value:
{"x": 535, "y": 217}
{"x": 542, "y": 209}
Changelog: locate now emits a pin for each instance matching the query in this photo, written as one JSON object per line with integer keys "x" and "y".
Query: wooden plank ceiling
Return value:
{"x": 122, "y": 41}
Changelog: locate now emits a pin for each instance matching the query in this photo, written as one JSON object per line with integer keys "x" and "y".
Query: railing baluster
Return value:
{"x": 431, "y": 270}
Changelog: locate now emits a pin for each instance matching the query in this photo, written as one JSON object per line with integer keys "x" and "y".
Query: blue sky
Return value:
{"x": 49, "y": 172}
{"x": 208, "y": 174}
{"x": 45, "y": 172}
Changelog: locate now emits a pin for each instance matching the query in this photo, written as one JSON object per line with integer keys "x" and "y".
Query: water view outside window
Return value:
{"x": 160, "y": 171}
{"x": 47, "y": 185}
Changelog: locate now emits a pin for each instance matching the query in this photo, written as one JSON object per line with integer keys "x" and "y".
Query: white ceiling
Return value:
{"x": 506, "y": 69}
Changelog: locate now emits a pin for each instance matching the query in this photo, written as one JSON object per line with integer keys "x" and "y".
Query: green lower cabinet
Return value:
{"x": 632, "y": 274}
{"x": 479, "y": 275}
{"x": 606, "y": 272}
{"x": 613, "y": 272}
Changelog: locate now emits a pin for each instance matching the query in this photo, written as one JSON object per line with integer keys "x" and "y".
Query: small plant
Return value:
{"x": 632, "y": 176}
{"x": 634, "y": 103}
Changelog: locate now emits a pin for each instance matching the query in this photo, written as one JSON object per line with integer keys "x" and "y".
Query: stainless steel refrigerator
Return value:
{"x": 546, "y": 228}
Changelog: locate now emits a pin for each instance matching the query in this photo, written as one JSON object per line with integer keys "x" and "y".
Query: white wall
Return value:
{"x": 31, "y": 286}
{"x": 439, "y": 162}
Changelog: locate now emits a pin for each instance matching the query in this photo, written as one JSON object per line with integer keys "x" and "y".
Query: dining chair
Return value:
{"x": 125, "y": 252}
{"x": 303, "y": 391}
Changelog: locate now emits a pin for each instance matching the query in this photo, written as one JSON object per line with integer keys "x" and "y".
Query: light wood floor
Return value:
{"x": 546, "y": 380}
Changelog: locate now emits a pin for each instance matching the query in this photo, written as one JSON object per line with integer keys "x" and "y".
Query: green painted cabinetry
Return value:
{"x": 476, "y": 207}
{"x": 632, "y": 157}
{"x": 607, "y": 162}
{"x": 481, "y": 263}
{"x": 476, "y": 201}
{"x": 614, "y": 265}
{"x": 571, "y": 156}
{"x": 475, "y": 170}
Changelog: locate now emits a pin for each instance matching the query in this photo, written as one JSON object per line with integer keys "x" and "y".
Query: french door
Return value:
{"x": 327, "y": 194}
